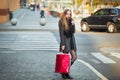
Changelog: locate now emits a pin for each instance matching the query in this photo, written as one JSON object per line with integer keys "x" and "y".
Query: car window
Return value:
{"x": 113, "y": 12}
{"x": 119, "y": 11}
{"x": 100, "y": 12}
{"x": 106, "y": 12}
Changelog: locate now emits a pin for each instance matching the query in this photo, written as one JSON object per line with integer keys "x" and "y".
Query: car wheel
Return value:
{"x": 111, "y": 27}
{"x": 85, "y": 27}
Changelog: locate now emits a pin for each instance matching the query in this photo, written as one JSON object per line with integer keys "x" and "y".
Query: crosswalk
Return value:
{"x": 29, "y": 41}
{"x": 101, "y": 58}
{"x": 117, "y": 55}
{"x": 44, "y": 40}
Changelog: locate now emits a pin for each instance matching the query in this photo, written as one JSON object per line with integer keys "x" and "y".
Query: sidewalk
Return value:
{"x": 17, "y": 14}
{"x": 25, "y": 23}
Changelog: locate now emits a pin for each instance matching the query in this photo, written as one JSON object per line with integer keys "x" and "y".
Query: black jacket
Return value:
{"x": 67, "y": 37}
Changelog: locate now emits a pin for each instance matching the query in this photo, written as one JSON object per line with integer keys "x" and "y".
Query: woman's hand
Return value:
{"x": 72, "y": 22}
{"x": 63, "y": 47}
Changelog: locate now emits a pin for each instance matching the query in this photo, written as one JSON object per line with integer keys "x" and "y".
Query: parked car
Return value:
{"x": 105, "y": 18}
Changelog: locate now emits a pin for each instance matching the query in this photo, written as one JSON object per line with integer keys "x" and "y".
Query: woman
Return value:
{"x": 67, "y": 40}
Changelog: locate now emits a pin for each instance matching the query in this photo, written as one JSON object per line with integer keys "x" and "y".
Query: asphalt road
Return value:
{"x": 101, "y": 50}
{"x": 26, "y": 55}
{"x": 30, "y": 55}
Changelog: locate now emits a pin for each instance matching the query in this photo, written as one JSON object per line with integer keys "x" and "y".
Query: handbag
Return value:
{"x": 62, "y": 64}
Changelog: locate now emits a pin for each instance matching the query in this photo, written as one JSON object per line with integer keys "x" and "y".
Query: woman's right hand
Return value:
{"x": 73, "y": 23}
{"x": 63, "y": 47}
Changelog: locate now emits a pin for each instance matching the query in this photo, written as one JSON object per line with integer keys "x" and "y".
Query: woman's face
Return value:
{"x": 68, "y": 14}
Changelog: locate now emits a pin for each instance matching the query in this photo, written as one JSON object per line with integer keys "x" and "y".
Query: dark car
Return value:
{"x": 105, "y": 18}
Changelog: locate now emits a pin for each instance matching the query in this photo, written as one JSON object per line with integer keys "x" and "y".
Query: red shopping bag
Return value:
{"x": 62, "y": 63}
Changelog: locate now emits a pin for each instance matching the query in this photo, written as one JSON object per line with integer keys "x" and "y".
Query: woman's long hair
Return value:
{"x": 64, "y": 20}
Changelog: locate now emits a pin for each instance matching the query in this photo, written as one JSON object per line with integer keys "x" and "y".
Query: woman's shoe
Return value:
{"x": 68, "y": 76}
{"x": 63, "y": 76}
{"x": 72, "y": 63}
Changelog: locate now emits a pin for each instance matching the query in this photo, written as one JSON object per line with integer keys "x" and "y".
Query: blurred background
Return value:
{"x": 78, "y": 7}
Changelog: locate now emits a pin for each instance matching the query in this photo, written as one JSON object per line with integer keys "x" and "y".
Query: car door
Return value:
{"x": 108, "y": 15}
{"x": 104, "y": 17}
{"x": 95, "y": 18}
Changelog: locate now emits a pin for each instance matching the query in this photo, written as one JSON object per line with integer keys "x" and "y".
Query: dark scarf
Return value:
{"x": 68, "y": 33}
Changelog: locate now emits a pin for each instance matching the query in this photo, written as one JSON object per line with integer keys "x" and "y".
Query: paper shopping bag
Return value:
{"x": 62, "y": 63}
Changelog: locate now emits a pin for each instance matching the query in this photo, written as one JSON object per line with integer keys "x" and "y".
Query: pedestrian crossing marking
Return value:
{"x": 102, "y": 77}
{"x": 103, "y": 58}
{"x": 30, "y": 41}
{"x": 117, "y": 55}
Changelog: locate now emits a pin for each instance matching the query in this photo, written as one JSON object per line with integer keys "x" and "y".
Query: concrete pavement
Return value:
{"x": 30, "y": 20}
{"x": 17, "y": 62}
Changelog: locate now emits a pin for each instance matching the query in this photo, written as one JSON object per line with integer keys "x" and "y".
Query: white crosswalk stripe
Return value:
{"x": 30, "y": 41}
{"x": 117, "y": 55}
{"x": 103, "y": 58}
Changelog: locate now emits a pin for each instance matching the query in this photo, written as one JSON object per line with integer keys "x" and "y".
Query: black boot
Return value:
{"x": 72, "y": 63}
{"x": 63, "y": 76}
{"x": 68, "y": 76}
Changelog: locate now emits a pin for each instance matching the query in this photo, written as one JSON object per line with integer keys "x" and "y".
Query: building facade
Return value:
{"x": 7, "y": 6}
